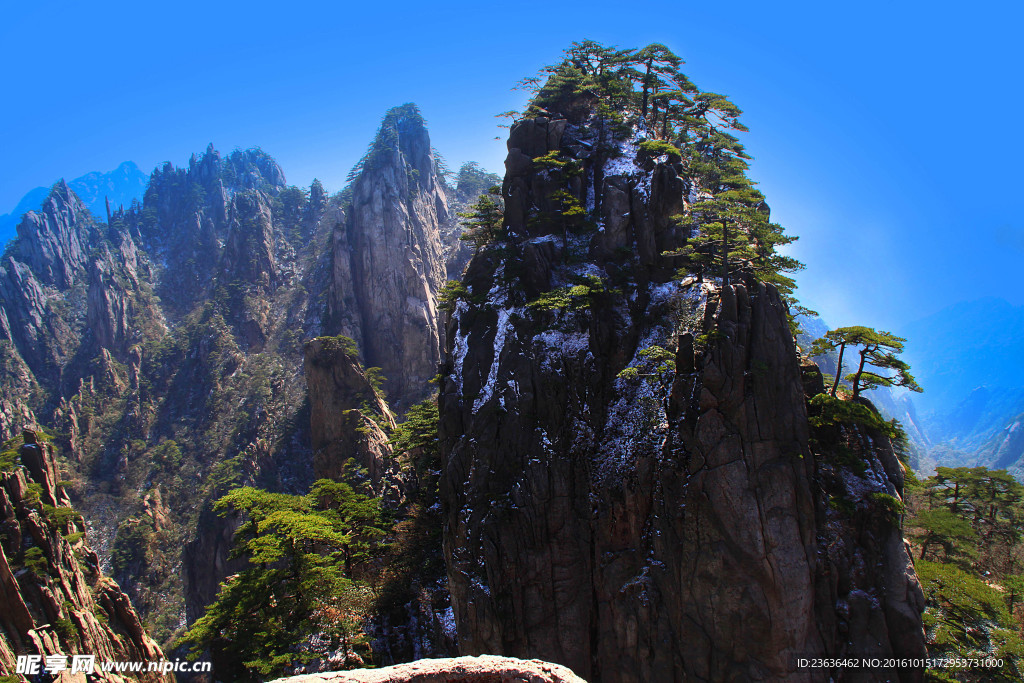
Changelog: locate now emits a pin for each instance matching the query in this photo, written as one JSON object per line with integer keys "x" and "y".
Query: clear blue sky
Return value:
{"x": 885, "y": 135}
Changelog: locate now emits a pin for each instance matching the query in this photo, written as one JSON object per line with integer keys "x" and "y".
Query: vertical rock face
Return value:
{"x": 628, "y": 481}
{"x": 390, "y": 247}
{"x": 348, "y": 418}
{"x": 55, "y": 600}
{"x": 55, "y": 241}
{"x": 41, "y": 278}
{"x": 68, "y": 283}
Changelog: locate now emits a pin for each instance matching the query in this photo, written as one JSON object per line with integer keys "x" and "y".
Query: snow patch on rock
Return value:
{"x": 504, "y": 326}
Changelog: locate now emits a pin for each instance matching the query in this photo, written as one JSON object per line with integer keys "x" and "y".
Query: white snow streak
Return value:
{"x": 503, "y": 327}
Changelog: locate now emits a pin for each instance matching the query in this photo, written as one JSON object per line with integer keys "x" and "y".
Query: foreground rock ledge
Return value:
{"x": 482, "y": 669}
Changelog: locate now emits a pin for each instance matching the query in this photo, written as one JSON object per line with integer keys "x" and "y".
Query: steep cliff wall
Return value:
{"x": 167, "y": 347}
{"x": 55, "y": 600}
{"x": 628, "y": 481}
{"x": 348, "y": 418}
{"x": 388, "y": 257}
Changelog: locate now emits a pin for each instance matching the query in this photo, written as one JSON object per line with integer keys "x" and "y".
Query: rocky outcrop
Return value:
{"x": 348, "y": 418}
{"x": 111, "y": 300}
{"x": 55, "y": 600}
{"x": 211, "y": 224}
{"x": 18, "y": 391}
{"x": 70, "y": 288}
{"x": 391, "y": 249}
{"x": 41, "y": 281}
{"x": 629, "y": 487}
{"x": 484, "y": 669}
{"x": 54, "y": 242}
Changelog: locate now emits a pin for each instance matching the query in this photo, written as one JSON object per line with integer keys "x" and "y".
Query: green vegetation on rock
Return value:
{"x": 300, "y": 585}
{"x": 967, "y": 529}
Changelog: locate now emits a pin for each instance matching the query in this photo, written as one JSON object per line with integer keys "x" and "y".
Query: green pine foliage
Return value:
{"x": 644, "y": 92}
{"x": 575, "y": 297}
{"x": 386, "y": 141}
{"x": 417, "y": 438}
{"x": 878, "y": 366}
{"x": 450, "y": 294}
{"x": 966, "y": 531}
{"x": 655, "y": 148}
{"x": 482, "y": 222}
{"x": 967, "y": 618}
{"x": 298, "y": 594}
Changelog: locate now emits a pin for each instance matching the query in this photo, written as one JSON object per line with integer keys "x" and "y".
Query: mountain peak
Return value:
{"x": 402, "y": 142}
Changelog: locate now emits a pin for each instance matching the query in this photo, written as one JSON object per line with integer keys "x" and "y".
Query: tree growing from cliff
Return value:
{"x": 878, "y": 354}
{"x": 483, "y": 221}
{"x": 298, "y": 585}
{"x": 645, "y": 93}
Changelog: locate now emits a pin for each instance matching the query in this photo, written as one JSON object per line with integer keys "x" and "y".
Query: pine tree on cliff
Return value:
{"x": 728, "y": 218}
{"x": 484, "y": 219}
{"x": 646, "y": 89}
{"x": 878, "y": 353}
{"x": 661, "y": 82}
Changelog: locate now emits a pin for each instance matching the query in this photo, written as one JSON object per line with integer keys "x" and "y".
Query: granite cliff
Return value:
{"x": 631, "y": 485}
{"x": 639, "y": 477}
{"x": 167, "y": 346}
{"x": 56, "y": 600}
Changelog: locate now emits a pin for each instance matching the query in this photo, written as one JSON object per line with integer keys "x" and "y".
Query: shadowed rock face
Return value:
{"x": 348, "y": 419}
{"x": 653, "y": 524}
{"x": 388, "y": 257}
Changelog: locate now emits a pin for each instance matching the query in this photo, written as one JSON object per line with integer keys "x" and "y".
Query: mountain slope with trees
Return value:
{"x": 166, "y": 345}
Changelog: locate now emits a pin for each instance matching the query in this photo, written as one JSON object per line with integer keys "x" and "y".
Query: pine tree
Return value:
{"x": 729, "y": 216}
{"x": 877, "y": 354}
{"x": 298, "y": 583}
{"x": 645, "y": 90}
{"x": 484, "y": 219}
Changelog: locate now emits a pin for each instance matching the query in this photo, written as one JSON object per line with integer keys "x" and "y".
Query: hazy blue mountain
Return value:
{"x": 968, "y": 357}
{"x": 121, "y": 186}
{"x": 9, "y": 221}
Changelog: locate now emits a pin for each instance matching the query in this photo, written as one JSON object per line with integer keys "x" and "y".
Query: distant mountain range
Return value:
{"x": 121, "y": 186}
{"x": 968, "y": 358}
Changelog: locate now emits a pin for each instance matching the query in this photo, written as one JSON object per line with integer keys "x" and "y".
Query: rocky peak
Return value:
{"x": 629, "y": 487}
{"x": 213, "y": 223}
{"x": 389, "y": 255}
{"x": 54, "y": 241}
{"x": 251, "y": 169}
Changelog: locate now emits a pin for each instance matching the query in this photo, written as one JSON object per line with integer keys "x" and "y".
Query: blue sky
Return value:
{"x": 885, "y": 137}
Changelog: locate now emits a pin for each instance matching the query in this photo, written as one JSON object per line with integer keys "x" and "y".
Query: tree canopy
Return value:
{"x": 645, "y": 90}
{"x": 966, "y": 530}
{"x": 482, "y": 222}
{"x": 878, "y": 357}
{"x": 301, "y": 551}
